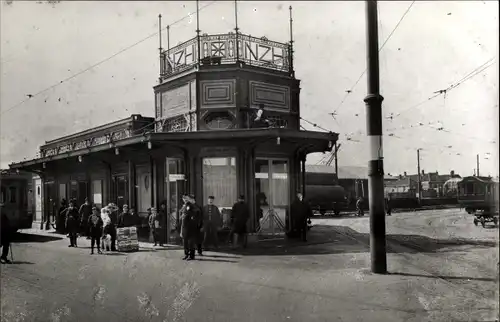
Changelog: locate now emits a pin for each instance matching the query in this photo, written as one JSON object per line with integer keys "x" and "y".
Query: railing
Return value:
{"x": 221, "y": 49}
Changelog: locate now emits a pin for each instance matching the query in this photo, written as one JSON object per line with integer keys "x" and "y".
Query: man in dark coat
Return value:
{"x": 211, "y": 223}
{"x": 60, "y": 217}
{"x": 301, "y": 212}
{"x": 85, "y": 212}
{"x": 388, "y": 206}
{"x": 239, "y": 218}
{"x": 6, "y": 236}
{"x": 191, "y": 222}
{"x": 72, "y": 224}
{"x": 95, "y": 225}
{"x": 199, "y": 235}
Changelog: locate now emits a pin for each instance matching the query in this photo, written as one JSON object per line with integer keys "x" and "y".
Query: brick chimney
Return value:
{"x": 452, "y": 173}
{"x": 423, "y": 172}
{"x": 405, "y": 173}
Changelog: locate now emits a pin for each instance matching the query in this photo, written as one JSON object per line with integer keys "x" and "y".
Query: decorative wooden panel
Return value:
{"x": 175, "y": 101}
{"x": 158, "y": 105}
{"x": 192, "y": 89}
{"x": 218, "y": 93}
{"x": 272, "y": 96}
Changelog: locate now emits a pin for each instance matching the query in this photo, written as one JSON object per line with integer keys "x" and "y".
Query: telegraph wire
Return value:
{"x": 475, "y": 72}
{"x": 30, "y": 96}
{"x": 363, "y": 73}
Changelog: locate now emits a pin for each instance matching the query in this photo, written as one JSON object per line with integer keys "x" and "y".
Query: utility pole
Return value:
{"x": 477, "y": 163}
{"x": 419, "y": 187}
{"x": 336, "y": 160}
{"x": 373, "y": 102}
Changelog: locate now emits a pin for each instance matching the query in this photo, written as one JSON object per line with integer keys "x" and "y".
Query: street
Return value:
{"x": 442, "y": 268}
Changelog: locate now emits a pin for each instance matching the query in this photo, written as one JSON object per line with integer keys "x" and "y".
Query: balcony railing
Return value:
{"x": 222, "y": 49}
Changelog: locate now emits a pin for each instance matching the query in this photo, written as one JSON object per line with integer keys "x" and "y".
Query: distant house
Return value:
{"x": 401, "y": 187}
{"x": 433, "y": 183}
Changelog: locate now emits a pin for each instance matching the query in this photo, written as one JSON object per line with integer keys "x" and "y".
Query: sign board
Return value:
{"x": 176, "y": 177}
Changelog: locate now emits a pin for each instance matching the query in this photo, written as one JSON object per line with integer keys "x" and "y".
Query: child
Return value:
{"x": 155, "y": 226}
{"x": 95, "y": 227}
{"x": 107, "y": 227}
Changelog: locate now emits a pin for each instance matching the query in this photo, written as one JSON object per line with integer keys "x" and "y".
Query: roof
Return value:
{"x": 400, "y": 182}
{"x": 345, "y": 172}
{"x": 310, "y": 141}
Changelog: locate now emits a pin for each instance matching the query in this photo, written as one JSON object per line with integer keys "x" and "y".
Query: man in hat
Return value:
{"x": 239, "y": 218}
{"x": 211, "y": 223}
{"x": 85, "y": 211}
{"x": 190, "y": 228}
{"x": 199, "y": 214}
{"x": 300, "y": 212}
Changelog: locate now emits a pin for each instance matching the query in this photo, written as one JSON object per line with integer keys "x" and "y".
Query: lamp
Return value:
{"x": 117, "y": 151}
{"x": 330, "y": 144}
{"x": 278, "y": 140}
{"x": 44, "y": 165}
{"x": 150, "y": 145}
{"x": 80, "y": 159}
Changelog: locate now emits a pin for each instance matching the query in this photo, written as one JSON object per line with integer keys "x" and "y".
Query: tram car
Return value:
{"x": 479, "y": 197}
{"x": 16, "y": 199}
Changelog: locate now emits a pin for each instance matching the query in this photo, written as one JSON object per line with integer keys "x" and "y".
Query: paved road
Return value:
{"x": 327, "y": 281}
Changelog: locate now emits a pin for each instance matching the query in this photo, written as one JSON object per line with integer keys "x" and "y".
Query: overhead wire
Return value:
{"x": 469, "y": 76}
{"x": 381, "y": 47}
{"x": 101, "y": 62}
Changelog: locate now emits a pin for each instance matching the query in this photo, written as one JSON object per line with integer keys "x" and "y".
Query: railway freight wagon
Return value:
{"x": 17, "y": 200}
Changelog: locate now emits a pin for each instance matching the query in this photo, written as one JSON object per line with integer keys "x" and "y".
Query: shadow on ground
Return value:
{"x": 326, "y": 239}
{"x": 32, "y": 238}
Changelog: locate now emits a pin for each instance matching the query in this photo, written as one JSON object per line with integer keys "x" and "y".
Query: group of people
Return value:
{"x": 199, "y": 226}
{"x": 95, "y": 224}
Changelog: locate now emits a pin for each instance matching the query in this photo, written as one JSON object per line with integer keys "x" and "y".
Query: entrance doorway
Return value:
{"x": 175, "y": 187}
{"x": 121, "y": 189}
{"x": 272, "y": 189}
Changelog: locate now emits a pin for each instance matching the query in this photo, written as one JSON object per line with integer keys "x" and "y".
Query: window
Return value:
{"x": 12, "y": 194}
{"x": 3, "y": 197}
{"x": 38, "y": 190}
{"x": 219, "y": 180}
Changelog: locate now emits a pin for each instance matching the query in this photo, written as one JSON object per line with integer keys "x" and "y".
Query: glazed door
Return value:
{"x": 144, "y": 189}
{"x": 38, "y": 199}
{"x": 175, "y": 185}
{"x": 121, "y": 191}
{"x": 273, "y": 190}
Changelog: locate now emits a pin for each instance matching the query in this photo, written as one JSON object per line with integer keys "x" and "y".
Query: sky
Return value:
{"x": 436, "y": 44}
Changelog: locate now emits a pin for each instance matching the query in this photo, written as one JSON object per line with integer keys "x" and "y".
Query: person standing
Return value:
{"x": 388, "y": 206}
{"x": 6, "y": 231}
{"x": 239, "y": 218}
{"x": 359, "y": 207}
{"x": 301, "y": 212}
{"x": 72, "y": 224}
{"x": 113, "y": 215}
{"x": 190, "y": 228}
{"x": 85, "y": 212}
{"x": 126, "y": 218}
{"x": 199, "y": 218}
{"x": 96, "y": 225}
{"x": 155, "y": 226}
{"x": 163, "y": 215}
{"x": 211, "y": 223}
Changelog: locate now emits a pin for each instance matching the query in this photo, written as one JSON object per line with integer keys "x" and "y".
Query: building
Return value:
{"x": 203, "y": 138}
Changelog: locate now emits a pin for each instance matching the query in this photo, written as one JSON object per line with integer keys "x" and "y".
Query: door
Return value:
{"x": 121, "y": 191}
{"x": 144, "y": 188}
{"x": 38, "y": 199}
{"x": 273, "y": 191}
{"x": 175, "y": 185}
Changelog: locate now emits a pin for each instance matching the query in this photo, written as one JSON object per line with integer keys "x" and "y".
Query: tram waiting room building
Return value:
{"x": 203, "y": 139}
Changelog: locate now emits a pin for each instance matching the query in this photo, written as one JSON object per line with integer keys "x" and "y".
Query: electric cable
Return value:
{"x": 30, "y": 96}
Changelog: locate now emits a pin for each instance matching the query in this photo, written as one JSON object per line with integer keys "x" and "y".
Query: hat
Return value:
{"x": 242, "y": 197}
{"x": 211, "y": 197}
{"x": 261, "y": 106}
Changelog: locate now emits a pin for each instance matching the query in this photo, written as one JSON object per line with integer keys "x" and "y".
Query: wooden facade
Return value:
{"x": 201, "y": 141}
